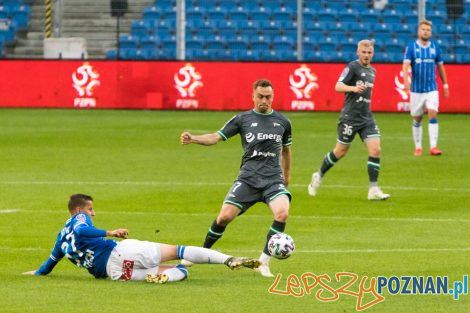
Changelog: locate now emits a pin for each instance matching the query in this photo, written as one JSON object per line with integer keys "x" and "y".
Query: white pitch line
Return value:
{"x": 346, "y": 251}
{"x": 9, "y": 210}
{"x": 302, "y": 217}
{"x": 313, "y": 251}
{"x": 227, "y": 184}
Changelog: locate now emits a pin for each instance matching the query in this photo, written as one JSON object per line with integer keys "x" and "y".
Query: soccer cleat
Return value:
{"x": 418, "y": 152}
{"x": 314, "y": 184}
{"x": 376, "y": 194}
{"x": 187, "y": 263}
{"x": 435, "y": 151}
{"x": 264, "y": 270}
{"x": 237, "y": 262}
{"x": 157, "y": 279}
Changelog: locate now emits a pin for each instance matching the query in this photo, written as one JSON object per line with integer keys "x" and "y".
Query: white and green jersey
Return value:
{"x": 356, "y": 109}
{"x": 262, "y": 136}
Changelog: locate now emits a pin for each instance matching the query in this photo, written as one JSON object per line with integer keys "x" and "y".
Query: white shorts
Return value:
{"x": 133, "y": 259}
{"x": 421, "y": 101}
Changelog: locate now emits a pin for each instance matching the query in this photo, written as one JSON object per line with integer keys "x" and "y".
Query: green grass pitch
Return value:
{"x": 131, "y": 162}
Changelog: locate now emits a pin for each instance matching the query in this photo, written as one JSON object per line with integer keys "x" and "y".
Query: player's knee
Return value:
{"x": 224, "y": 219}
{"x": 281, "y": 216}
{"x": 375, "y": 152}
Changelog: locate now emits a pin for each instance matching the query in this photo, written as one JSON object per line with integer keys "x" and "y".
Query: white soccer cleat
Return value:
{"x": 314, "y": 184}
{"x": 376, "y": 194}
{"x": 186, "y": 263}
{"x": 264, "y": 270}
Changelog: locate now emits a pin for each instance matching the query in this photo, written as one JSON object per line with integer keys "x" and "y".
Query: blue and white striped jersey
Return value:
{"x": 423, "y": 62}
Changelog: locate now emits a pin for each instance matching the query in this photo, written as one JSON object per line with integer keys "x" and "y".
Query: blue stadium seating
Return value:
{"x": 267, "y": 30}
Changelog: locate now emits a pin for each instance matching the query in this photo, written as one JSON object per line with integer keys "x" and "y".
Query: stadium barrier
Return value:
{"x": 201, "y": 85}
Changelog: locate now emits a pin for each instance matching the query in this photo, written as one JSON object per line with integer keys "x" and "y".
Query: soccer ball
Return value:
{"x": 281, "y": 246}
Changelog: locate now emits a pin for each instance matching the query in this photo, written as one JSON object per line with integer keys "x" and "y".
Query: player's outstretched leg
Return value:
{"x": 235, "y": 262}
{"x": 172, "y": 274}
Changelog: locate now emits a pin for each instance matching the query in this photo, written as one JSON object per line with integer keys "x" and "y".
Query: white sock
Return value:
{"x": 176, "y": 274}
{"x": 264, "y": 258}
{"x": 433, "y": 134}
{"x": 417, "y": 134}
{"x": 200, "y": 255}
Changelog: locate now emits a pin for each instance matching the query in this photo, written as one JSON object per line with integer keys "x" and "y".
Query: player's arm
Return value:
{"x": 187, "y": 138}
{"x": 342, "y": 87}
{"x": 286, "y": 156}
{"x": 93, "y": 232}
{"x": 406, "y": 77}
{"x": 48, "y": 266}
{"x": 443, "y": 75}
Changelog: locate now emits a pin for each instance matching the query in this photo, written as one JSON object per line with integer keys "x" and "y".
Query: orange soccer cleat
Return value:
{"x": 418, "y": 152}
{"x": 435, "y": 151}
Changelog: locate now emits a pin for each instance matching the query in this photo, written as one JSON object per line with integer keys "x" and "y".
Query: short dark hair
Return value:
{"x": 262, "y": 83}
{"x": 78, "y": 200}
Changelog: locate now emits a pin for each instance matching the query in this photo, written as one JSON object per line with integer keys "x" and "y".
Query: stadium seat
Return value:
{"x": 150, "y": 42}
{"x": 226, "y": 6}
{"x": 21, "y": 16}
{"x": 151, "y": 13}
{"x": 111, "y": 54}
{"x": 128, "y": 41}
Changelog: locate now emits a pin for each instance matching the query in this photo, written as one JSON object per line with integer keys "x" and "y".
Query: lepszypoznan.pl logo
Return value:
{"x": 403, "y": 285}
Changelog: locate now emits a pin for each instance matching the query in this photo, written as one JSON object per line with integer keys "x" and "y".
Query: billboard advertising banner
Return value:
{"x": 200, "y": 85}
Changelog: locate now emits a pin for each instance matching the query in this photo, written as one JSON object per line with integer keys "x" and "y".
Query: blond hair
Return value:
{"x": 425, "y": 22}
{"x": 365, "y": 43}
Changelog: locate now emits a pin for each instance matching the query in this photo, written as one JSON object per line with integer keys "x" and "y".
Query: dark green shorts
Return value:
{"x": 347, "y": 132}
{"x": 244, "y": 196}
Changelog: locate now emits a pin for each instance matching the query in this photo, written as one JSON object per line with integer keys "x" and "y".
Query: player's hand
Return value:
{"x": 118, "y": 233}
{"x": 185, "y": 138}
{"x": 406, "y": 86}
{"x": 32, "y": 273}
{"x": 360, "y": 89}
{"x": 446, "y": 91}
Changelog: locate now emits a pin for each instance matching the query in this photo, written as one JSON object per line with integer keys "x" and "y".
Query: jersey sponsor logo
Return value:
{"x": 127, "y": 269}
{"x": 264, "y": 154}
{"x": 254, "y": 125}
{"x": 262, "y": 136}
{"x": 249, "y": 137}
{"x": 362, "y": 99}
{"x": 362, "y": 83}
{"x": 85, "y": 79}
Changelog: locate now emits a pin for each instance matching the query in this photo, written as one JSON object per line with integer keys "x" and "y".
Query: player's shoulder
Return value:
{"x": 80, "y": 218}
{"x": 354, "y": 66}
{"x": 281, "y": 117}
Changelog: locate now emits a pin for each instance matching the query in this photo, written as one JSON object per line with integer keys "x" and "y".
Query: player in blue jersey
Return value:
{"x": 84, "y": 245}
{"x": 356, "y": 82}
{"x": 265, "y": 169}
{"x": 423, "y": 55}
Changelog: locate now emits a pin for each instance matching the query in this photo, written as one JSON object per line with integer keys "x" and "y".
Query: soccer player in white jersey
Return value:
{"x": 423, "y": 55}
{"x": 129, "y": 259}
